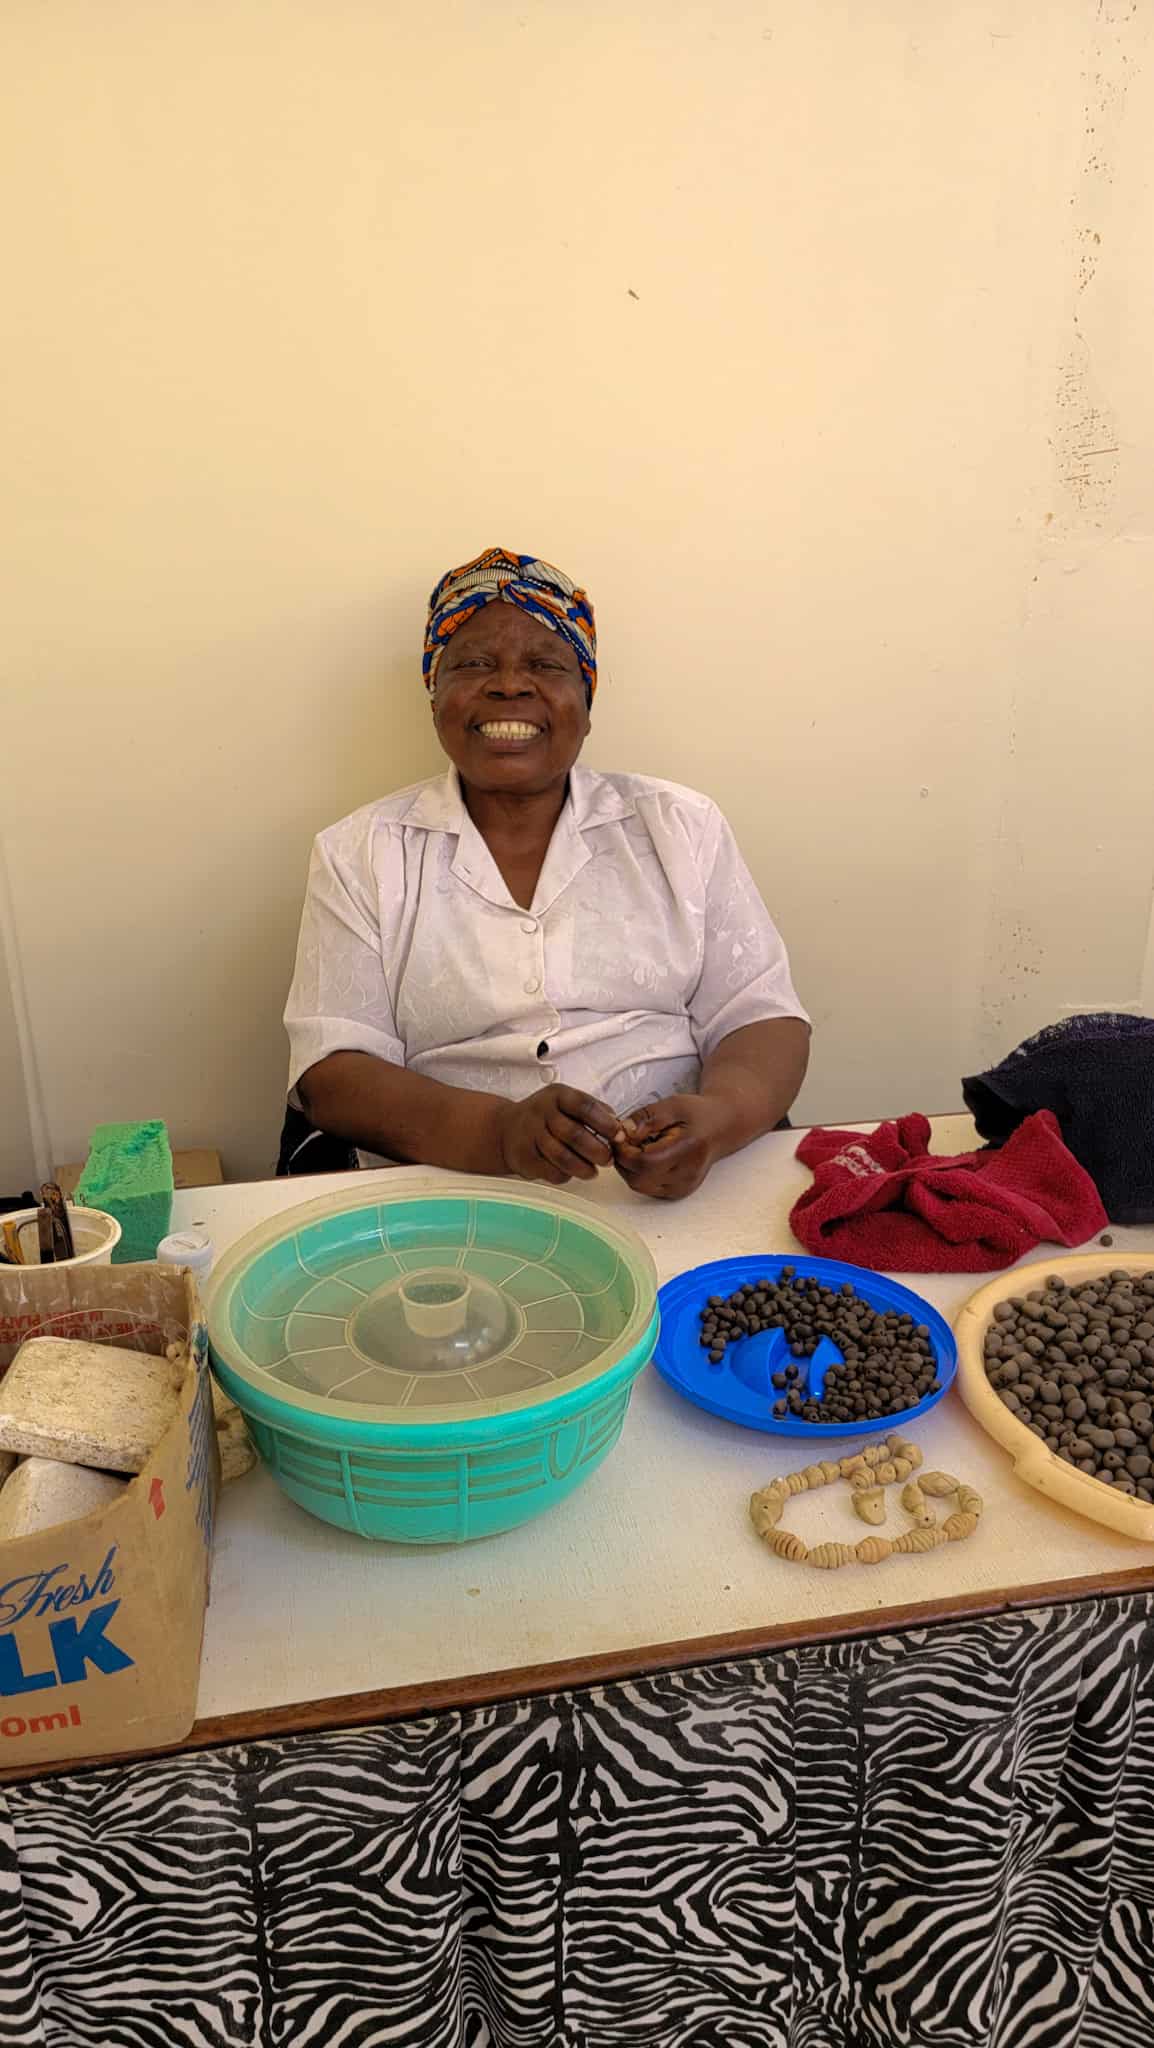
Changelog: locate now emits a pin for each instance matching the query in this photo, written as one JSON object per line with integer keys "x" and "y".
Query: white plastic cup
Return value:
{"x": 192, "y": 1248}
{"x": 94, "y": 1234}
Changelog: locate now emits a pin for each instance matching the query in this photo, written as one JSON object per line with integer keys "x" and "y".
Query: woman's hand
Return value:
{"x": 747, "y": 1085}
{"x": 558, "y": 1135}
{"x": 671, "y": 1146}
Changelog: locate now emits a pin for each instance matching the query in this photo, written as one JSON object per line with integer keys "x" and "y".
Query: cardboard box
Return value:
{"x": 189, "y": 1170}
{"x": 101, "y": 1619}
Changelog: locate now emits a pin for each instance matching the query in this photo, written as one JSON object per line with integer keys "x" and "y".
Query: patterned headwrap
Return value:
{"x": 542, "y": 591}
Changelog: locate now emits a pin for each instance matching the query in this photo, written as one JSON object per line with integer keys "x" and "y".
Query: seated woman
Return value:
{"x": 525, "y": 967}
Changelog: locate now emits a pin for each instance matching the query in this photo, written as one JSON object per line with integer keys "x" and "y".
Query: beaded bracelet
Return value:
{"x": 869, "y": 1472}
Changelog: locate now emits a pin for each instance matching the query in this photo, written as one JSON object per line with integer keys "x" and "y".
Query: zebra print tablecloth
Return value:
{"x": 942, "y": 1839}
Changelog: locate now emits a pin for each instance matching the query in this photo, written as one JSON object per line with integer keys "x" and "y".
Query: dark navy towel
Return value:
{"x": 1097, "y": 1075}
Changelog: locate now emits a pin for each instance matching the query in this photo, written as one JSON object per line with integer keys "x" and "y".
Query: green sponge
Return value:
{"x": 128, "y": 1173}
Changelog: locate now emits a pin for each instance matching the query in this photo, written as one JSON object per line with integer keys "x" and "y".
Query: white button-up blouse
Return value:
{"x": 646, "y": 944}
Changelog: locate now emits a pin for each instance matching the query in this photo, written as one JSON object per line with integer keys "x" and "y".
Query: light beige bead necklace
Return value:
{"x": 869, "y": 1472}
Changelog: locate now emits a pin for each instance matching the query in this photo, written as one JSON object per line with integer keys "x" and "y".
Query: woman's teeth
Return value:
{"x": 508, "y": 729}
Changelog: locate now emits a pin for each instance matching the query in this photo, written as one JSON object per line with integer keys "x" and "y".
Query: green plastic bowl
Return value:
{"x": 438, "y": 1363}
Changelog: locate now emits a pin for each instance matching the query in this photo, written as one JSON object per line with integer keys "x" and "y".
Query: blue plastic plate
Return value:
{"x": 741, "y": 1387}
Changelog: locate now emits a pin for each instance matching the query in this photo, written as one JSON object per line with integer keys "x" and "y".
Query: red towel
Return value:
{"x": 881, "y": 1200}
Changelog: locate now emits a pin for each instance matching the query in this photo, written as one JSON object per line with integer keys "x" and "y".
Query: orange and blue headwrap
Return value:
{"x": 522, "y": 580}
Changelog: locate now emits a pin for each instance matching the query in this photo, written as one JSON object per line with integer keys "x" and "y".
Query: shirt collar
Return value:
{"x": 593, "y": 800}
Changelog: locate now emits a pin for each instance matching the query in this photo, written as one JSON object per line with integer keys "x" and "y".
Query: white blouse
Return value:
{"x": 646, "y": 944}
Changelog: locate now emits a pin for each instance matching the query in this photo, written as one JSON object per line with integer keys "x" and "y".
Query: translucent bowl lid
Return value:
{"x": 433, "y": 1303}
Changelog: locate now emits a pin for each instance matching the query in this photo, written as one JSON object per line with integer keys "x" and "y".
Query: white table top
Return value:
{"x": 655, "y": 1549}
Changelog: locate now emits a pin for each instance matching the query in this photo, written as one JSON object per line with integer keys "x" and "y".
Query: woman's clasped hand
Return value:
{"x": 664, "y": 1150}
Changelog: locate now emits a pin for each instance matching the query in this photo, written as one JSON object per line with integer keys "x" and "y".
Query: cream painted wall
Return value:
{"x": 814, "y": 336}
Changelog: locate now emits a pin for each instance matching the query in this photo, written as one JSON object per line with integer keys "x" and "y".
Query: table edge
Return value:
{"x": 494, "y": 1688}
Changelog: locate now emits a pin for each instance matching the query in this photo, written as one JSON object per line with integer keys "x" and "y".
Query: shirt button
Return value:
{"x": 531, "y": 987}
{"x": 529, "y": 924}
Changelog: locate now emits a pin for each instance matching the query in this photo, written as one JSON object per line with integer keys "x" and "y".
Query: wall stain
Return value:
{"x": 1086, "y": 443}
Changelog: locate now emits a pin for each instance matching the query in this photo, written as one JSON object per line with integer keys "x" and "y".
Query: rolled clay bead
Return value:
{"x": 788, "y": 1546}
{"x": 902, "y": 1468}
{"x": 796, "y": 1483}
{"x": 901, "y": 1447}
{"x": 938, "y": 1483}
{"x": 874, "y": 1549}
{"x": 956, "y": 1526}
{"x": 875, "y": 1454}
{"x": 765, "y": 1508}
{"x": 870, "y": 1503}
{"x": 828, "y": 1556}
{"x": 969, "y": 1502}
{"x": 916, "y": 1504}
{"x": 830, "y": 1472}
{"x": 854, "y": 1463}
{"x": 886, "y": 1473}
{"x": 814, "y": 1476}
{"x": 921, "y": 1539}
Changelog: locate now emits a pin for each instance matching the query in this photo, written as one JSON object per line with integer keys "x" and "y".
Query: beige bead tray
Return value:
{"x": 1033, "y": 1463}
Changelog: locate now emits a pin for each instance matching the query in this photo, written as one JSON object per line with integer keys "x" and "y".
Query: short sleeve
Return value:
{"x": 339, "y": 1000}
{"x": 745, "y": 977}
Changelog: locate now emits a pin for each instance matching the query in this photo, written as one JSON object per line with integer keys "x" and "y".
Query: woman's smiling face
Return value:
{"x": 509, "y": 705}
